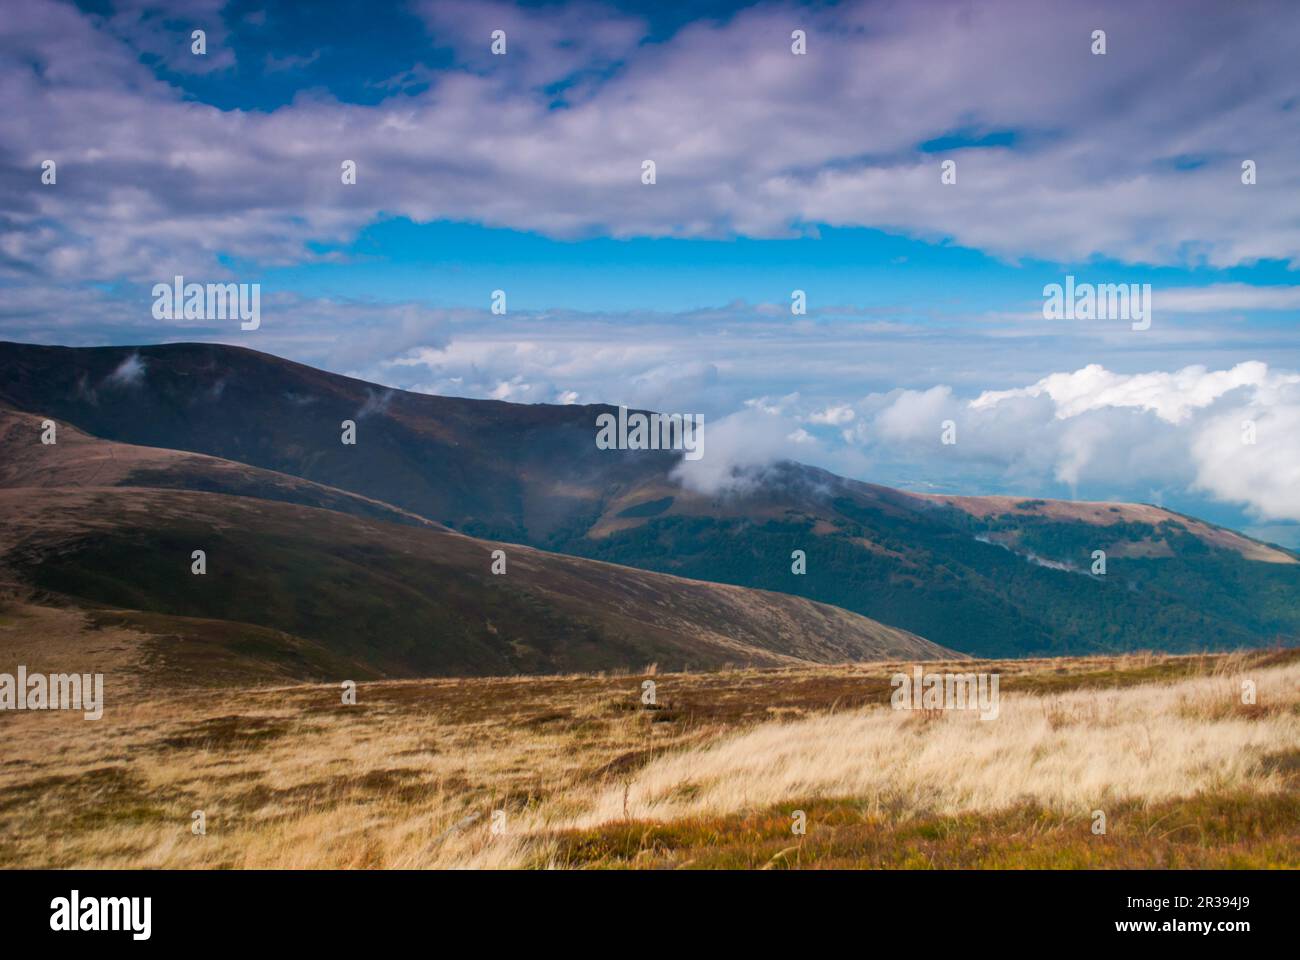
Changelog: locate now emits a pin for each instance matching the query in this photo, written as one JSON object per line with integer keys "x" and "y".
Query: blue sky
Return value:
{"x": 775, "y": 172}
{"x": 453, "y": 263}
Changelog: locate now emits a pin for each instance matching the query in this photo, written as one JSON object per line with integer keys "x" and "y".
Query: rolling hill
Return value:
{"x": 992, "y": 576}
{"x": 307, "y": 582}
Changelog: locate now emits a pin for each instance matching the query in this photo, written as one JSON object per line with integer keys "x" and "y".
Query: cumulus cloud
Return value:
{"x": 154, "y": 182}
{"x": 1265, "y": 474}
{"x": 915, "y": 413}
{"x": 1171, "y": 396}
{"x": 1191, "y": 435}
{"x": 738, "y": 449}
{"x": 836, "y": 415}
{"x": 516, "y": 389}
{"x": 1061, "y": 156}
{"x": 1233, "y": 434}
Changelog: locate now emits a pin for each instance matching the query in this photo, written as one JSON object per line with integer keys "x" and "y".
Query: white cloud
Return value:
{"x": 914, "y": 414}
{"x": 515, "y": 389}
{"x": 1183, "y": 428}
{"x": 834, "y": 416}
{"x": 1136, "y": 178}
{"x": 1157, "y": 436}
{"x": 737, "y": 450}
{"x": 1223, "y": 297}
{"x": 129, "y": 373}
{"x": 1264, "y": 475}
{"x": 1171, "y": 396}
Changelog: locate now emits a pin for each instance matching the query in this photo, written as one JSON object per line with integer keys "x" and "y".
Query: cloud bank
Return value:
{"x": 1061, "y": 154}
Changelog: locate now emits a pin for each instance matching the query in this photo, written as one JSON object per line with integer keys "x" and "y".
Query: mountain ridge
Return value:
{"x": 994, "y": 576}
{"x": 310, "y": 578}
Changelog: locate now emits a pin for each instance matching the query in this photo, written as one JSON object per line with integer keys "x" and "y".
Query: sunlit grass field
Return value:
{"x": 579, "y": 772}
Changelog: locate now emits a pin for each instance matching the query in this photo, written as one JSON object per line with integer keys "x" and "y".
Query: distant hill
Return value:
{"x": 991, "y": 576}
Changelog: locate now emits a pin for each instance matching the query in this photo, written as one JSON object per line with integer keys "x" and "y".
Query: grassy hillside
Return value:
{"x": 406, "y": 600}
{"x": 578, "y": 772}
{"x": 79, "y": 460}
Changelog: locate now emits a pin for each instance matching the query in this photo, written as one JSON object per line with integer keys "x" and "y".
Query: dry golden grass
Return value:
{"x": 1079, "y": 751}
{"x": 588, "y": 775}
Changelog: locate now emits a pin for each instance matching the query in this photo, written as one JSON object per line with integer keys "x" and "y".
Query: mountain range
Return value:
{"x": 380, "y": 551}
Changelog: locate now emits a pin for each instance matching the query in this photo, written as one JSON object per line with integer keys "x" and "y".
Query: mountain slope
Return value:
{"x": 500, "y": 470}
{"x": 343, "y": 587}
{"x": 77, "y": 459}
{"x": 990, "y": 577}
{"x": 987, "y": 575}
{"x": 408, "y": 601}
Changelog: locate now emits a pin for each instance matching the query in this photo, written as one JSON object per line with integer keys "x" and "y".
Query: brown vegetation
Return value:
{"x": 588, "y": 775}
